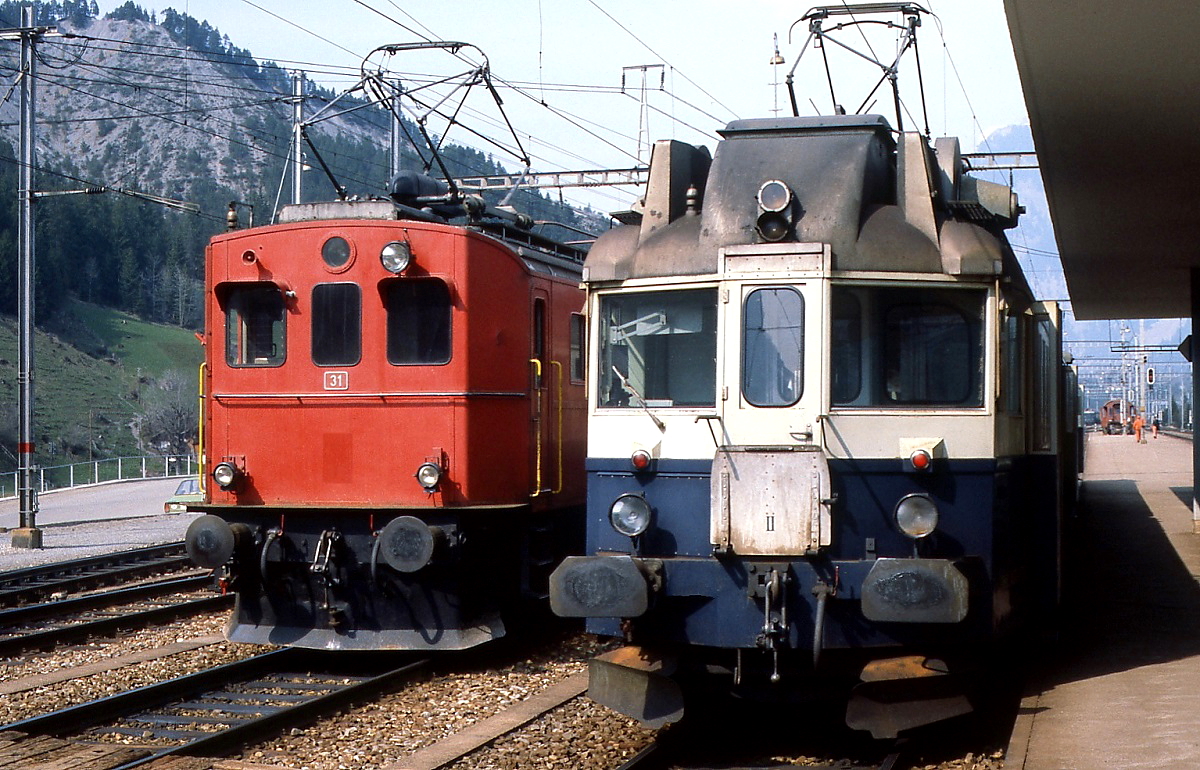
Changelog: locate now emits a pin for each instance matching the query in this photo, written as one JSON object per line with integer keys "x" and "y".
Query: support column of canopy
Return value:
{"x": 1195, "y": 288}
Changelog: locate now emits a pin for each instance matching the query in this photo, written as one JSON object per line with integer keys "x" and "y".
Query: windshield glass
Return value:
{"x": 659, "y": 348}
{"x": 773, "y": 347}
{"x": 255, "y": 326}
{"x": 907, "y": 347}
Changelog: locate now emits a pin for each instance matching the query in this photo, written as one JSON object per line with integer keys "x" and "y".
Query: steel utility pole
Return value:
{"x": 644, "y": 109}
{"x": 27, "y": 534}
{"x": 297, "y": 133}
{"x": 397, "y": 130}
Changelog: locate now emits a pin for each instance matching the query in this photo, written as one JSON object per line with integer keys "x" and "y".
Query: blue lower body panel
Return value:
{"x": 988, "y": 554}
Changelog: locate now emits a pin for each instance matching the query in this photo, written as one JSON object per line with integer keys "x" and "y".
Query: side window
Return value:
{"x": 1012, "y": 358}
{"x": 418, "y": 322}
{"x": 847, "y": 347}
{"x": 1044, "y": 391}
{"x": 336, "y": 324}
{"x": 773, "y": 347}
{"x": 539, "y": 340}
{"x": 255, "y": 326}
{"x": 578, "y": 358}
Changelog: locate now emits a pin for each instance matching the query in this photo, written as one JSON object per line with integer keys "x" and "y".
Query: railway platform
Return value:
{"x": 1124, "y": 689}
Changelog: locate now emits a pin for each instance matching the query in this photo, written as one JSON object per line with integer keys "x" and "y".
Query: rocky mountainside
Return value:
{"x": 169, "y": 106}
{"x": 121, "y": 102}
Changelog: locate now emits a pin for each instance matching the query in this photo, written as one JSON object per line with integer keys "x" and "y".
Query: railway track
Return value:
{"x": 74, "y": 620}
{"x": 206, "y": 714}
{"x": 33, "y": 584}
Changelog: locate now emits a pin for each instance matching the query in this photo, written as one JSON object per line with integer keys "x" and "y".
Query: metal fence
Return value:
{"x": 103, "y": 471}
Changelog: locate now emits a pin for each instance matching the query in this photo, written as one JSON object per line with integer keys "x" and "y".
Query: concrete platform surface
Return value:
{"x": 1125, "y": 690}
{"x": 88, "y": 521}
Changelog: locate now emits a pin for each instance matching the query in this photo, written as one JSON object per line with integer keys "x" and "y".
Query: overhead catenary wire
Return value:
{"x": 146, "y": 113}
{"x": 572, "y": 119}
{"x": 384, "y": 16}
{"x": 663, "y": 59}
{"x": 97, "y": 187}
{"x": 209, "y": 90}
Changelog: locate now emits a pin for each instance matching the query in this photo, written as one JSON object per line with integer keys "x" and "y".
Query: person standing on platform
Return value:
{"x": 1138, "y": 425}
{"x": 1154, "y": 426}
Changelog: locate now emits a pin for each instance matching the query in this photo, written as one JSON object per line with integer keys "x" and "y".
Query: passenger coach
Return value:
{"x": 826, "y": 436}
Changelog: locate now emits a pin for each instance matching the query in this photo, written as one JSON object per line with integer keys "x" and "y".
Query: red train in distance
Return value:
{"x": 1116, "y": 416}
{"x": 393, "y": 421}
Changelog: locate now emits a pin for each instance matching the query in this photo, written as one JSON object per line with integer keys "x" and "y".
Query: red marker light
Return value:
{"x": 920, "y": 460}
{"x": 640, "y": 460}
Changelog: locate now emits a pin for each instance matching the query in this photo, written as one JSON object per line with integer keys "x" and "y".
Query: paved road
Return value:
{"x": 88, "y": 521}
{"x": 107, "y": 501}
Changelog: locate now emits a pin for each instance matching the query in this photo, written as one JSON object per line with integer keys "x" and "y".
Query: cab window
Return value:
{"x": 336, "y": 324}
{"x": 658, "y": 349}
{"x": 418, "y": 322}
{"x": 254, "y": 326}
{"x": 773, "y": 347}
{"x": 578, "y": 332}
{"x": 907, "y": 347}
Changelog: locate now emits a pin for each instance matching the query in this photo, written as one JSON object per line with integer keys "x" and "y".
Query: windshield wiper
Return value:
{"x": 633, "y": 392}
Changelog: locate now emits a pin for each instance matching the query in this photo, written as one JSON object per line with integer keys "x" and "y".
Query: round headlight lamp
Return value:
{"x": 630, "y": 515}
{"x": 774, "y": 221}
{"x": 225, "y": 474}
{"x": 774, "y": 195}
{"x": 429, "y": 474}
{"x": 396, "y": 256}
{"x": 916, "y": 515}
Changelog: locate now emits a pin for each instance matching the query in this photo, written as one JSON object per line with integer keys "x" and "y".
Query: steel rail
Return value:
{"x": 31, "y": 583}
{"x": 85, "y": 715}
{"x": 108, "y": 626}
{"x": 652, "y": 756}
{"x": 238, "y": 735}
{"x": 59, "y": 607}
{"x": 248, "y": 716}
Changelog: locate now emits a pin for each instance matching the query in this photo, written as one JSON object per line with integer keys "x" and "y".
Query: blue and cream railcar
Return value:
{"x": 823, "y": 426}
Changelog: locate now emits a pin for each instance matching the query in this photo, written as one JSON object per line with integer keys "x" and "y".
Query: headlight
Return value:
{"x": 395, "y": 256}
{"x": 630, "y": 515}
{"x": 916, "y": 515}
{"x": 225, "y": 474}
{"x": 429, "y": 474}
{"x": 774, "y": 196}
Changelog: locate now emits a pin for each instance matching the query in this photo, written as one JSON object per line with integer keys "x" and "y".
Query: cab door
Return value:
{"x": 771, "y": 490}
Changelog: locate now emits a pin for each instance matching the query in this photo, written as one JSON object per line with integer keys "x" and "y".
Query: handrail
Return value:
{"x": 559, "y": 367}
{"x": 537, "y": 417}
{"x": 200, "y": 428}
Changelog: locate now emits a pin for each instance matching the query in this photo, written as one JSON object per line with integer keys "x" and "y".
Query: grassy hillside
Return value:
{"x": 89, "y": 397}
{"x": 134, "y": 344}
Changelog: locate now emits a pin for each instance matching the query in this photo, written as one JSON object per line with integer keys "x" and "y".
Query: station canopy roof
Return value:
{"x": 1113, "y": 92}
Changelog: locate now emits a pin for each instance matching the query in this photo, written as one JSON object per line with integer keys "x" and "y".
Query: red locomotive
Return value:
{"x": 1116, "y": 416}
{"x": 393, "y": 420}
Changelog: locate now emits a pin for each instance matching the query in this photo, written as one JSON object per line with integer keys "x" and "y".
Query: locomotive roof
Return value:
{"x": 881, "y": 203}
{"x": 804, "y": 124}
{"x": 542, "y": 254}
